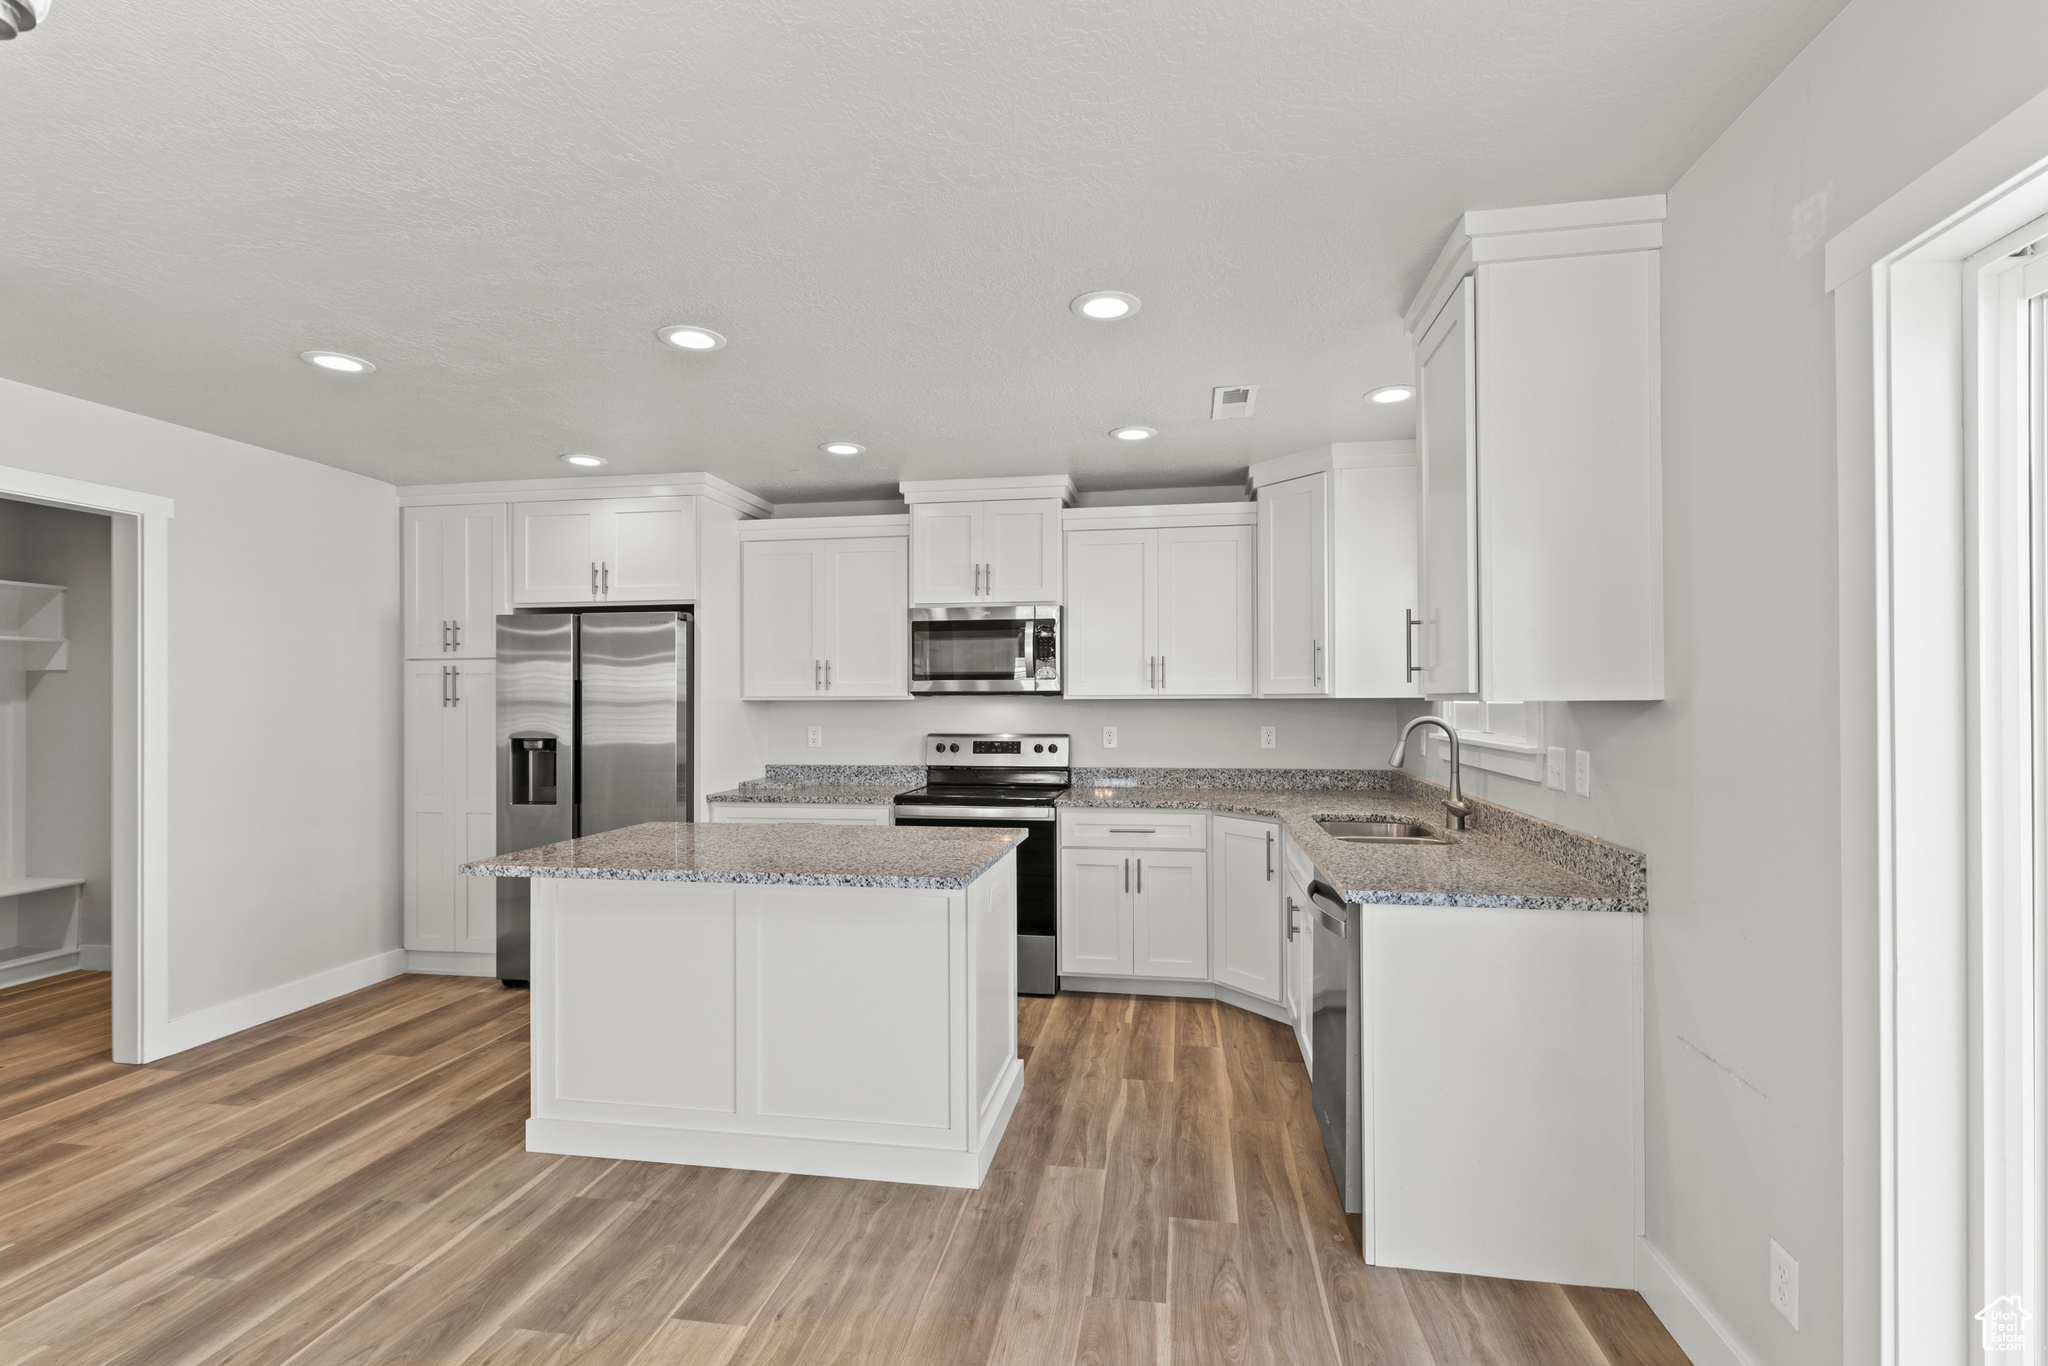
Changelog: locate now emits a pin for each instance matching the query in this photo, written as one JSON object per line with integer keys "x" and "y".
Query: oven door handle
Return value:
{"x": 978, "y": 815}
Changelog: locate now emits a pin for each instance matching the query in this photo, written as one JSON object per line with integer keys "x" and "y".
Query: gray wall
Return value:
{"x": 1731, "y": 785}
{"x": 70, "y": 714}
{"x": 1223, "y": 734}
{"x": 284, "y": 692}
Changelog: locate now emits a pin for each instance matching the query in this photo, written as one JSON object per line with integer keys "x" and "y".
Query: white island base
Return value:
{"x": 865, "y": 1032}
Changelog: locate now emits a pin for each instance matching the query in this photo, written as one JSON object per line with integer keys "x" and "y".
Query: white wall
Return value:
{"x": 1730, "y": 787}
{"x": 284, "y": 709}
{"x": 69, "y": 730}
{"x": 1221, "y": 734}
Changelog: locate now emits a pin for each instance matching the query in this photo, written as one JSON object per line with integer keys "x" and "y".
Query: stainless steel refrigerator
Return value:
{"x": 593, "y": 735}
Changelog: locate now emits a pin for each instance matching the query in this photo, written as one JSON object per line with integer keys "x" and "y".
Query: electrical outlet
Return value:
{"x": 1784, "y": 1284}
{"x": 817, "y": 737}
{"x": 1109, "y": 737}
{"x": 1553, "y": 768}
{"x": 1269, "y": 737}
{"x": 1582, "y": 773}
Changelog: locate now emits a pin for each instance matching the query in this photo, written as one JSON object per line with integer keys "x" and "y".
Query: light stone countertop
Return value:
{"x": 814, "y": 794}
{"x": 796, "y": 853}
{"x": 1477, "y": 869}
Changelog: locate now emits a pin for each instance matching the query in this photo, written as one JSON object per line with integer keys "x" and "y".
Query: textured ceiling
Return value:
{"x": 885, "y": 204}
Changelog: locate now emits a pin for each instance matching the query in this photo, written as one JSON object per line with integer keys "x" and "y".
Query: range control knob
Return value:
{"x": 954, "y": 748}
{"x": 1038, "y": 749}
{"x": 1054, "y": 748}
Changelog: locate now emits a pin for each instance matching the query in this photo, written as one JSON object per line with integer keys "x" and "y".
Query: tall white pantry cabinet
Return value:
{"x": 454, "y": 580}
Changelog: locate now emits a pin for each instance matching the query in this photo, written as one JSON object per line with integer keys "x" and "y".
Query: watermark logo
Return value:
{"x": 2005, "y": 1322}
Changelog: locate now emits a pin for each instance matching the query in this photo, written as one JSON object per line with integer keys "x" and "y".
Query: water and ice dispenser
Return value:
{"x": 533, "y": 769}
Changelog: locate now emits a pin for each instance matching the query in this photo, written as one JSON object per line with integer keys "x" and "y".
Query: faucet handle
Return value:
{"x": 1459, "y": 811}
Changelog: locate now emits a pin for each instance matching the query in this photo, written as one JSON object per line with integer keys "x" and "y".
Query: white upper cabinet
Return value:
{"x": 825, "y": 615}
{"x": 986, "y": 540}
{"x": 453, "y": 577}
{"x": 617, "y": 550}
{"x": 1157, "y": 607}
{"x": 1537, "y": 356}
{"x": 1336, "y": 570}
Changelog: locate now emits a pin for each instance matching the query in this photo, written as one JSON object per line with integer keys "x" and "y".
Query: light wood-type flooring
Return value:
{"x": 348, "y": 1185}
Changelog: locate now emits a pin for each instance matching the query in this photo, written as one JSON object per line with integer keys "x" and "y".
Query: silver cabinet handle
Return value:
{"x": 606, "y": 567}
{"x": 1127, "y": 875}
{"x": 828, "y": 675}
{"x": 1141, "y": 877}
{"x": 455, "y": 685}
{"x": 444, "y": 685}
{"x": 1151, "y": 671}
{"x": 1269, "y": 856}
{"x": 1115, "y": 831}
{"x": 1162, "y": 671}
{"x": 458, "y": 633}
{"x": 1292, "y": 911}
{"x": 593, "y": 578}
{"x": 1317, "y": 646}
{"x": 1408, "y": 641}
{"x": 444, "y": 633}
{"x": 817, "y": 674}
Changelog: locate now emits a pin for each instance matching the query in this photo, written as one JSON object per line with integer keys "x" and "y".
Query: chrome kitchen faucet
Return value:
{"x": 1457, "y": 808}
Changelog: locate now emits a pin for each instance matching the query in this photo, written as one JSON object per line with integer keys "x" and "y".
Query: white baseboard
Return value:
{"x": 232, "y": 1017}
{"x": 1184, "y": 990}
{"x": 1685, "y": 1313}
{"x": 437, "y": 964}
{"x": 96, "y": 957}
{"x": 38, "y": 970}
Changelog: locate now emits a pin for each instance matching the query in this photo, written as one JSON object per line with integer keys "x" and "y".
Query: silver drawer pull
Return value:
{"x": 1115, "y": 831}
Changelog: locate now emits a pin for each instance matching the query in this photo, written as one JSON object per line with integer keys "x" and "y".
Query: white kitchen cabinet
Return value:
{"x": 1336, "y": 570}
{"x": 609, "y": 550}
{"x": 1005, "y": 551}
{"x": 1095, "y": 912}
{"x": 1536, "y": 338}
{"x": 1248, "y": 932}
{"x": 451, "y": 812}
{"x": 824, "y": 616}
{"x": 452, "y": 568}
{"x": 1169, "y": 914}
{"x": 1159, "y": 602}
{"x": 1297, "y": 925}
{"x": 786, "y": 813}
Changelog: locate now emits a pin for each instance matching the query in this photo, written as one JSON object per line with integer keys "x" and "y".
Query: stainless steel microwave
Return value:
{"x": 984, "y": 649}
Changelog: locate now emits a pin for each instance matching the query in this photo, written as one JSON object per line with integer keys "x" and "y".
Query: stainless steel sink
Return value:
{"x": 1354, "y": 831}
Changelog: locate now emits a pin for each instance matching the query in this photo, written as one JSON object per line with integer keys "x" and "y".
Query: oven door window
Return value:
{"x": 966, "y": 651}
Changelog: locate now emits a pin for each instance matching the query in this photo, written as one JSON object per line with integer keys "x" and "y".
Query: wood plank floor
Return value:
{"x": 347, "y": 1185}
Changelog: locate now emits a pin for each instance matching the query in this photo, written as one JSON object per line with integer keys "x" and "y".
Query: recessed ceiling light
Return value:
{"x": 337, "y": 362}
{"x": 1134, "y": 433}
{"x": 1393, "y": 393}
{"x": 1105, "y": 305}
{"x": 842, "y": 448}
{"x": 587, "y": 461}
{"x": 691, "y": 338}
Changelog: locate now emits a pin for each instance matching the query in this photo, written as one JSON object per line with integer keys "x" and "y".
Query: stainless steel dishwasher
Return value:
{"x": 1335, "y": 1076}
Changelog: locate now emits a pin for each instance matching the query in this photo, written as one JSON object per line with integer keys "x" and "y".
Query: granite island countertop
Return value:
{"x": 796, "y": 853}
{"x": 1475, "y": 869}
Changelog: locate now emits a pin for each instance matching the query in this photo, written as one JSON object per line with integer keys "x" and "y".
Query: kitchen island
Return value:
{"x": 827, "y": 1000}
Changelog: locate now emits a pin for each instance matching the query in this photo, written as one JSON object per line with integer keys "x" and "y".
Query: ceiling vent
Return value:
{"x": 19, "y": 16}
{"x": 1235, "y": 400}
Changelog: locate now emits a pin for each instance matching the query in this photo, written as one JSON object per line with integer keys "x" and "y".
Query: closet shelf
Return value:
{"x": 22, "y": 886}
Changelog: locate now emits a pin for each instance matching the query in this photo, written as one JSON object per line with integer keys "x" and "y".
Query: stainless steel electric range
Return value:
{"x": 1006, "y": 780}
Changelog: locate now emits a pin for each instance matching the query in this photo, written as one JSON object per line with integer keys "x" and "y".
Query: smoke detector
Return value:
{"x": 19, "y": 16}
{"x": 1233, "y": 400}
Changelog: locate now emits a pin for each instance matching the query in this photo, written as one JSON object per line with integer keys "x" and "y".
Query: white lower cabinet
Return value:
{"x": 1169, "y": 914}
{"x": 1095, "y": 912}
{"x": 1247, "y": 926}
{"x": 1297, "y": 924}
{"x": 451, "y": 812}
{"x": 766, "y": 813}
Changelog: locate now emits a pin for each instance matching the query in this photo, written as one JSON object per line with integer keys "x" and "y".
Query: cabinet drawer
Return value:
{"x": 1095, "y": 828}
{"x": 768, "y": 813}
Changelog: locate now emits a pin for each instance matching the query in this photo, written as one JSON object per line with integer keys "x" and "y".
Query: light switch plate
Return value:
{"x": 817, "y": 737}
{"x": 1109, "y": 737}
{"x": 1784, "y": 1284}
{"x": 1269, "y": 737}
{"x": 1582, "y": 774}
{"x": 1553, "y": 768}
